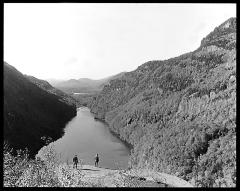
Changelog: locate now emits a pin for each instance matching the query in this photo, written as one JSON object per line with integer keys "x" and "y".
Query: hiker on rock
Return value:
{"x": 96, "y": 160}
{"x": 75, "y": 161}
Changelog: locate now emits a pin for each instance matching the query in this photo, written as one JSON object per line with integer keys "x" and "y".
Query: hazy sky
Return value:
{"x": 64, "y": 41}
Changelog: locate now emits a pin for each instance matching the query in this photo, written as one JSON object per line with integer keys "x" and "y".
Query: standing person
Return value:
{"x": 96, "y": 160}
{"x": 75, "y": 161}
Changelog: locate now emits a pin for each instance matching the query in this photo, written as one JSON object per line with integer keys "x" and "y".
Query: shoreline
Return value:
{"x": 60, "y": 134}
{"x": 129, "y": 146}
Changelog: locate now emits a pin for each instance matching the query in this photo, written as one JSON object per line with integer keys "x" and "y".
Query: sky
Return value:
{"x": 81, "y": 40}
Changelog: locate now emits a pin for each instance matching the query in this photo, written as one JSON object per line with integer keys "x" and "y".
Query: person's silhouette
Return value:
{"x": 75, "y": 161}
{"x": 96, "y": 160}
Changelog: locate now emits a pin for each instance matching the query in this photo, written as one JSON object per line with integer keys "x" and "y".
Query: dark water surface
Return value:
{"x": 86, "y": 136}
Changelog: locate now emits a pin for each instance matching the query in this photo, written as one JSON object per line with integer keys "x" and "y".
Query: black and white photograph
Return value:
{"x": 119, "y": 94}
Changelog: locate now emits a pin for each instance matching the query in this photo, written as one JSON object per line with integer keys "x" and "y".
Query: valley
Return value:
{"x": 178, "y": 115}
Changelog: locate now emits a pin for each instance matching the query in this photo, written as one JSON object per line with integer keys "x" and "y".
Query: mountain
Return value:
{"x": 30, "y": 112}
{"x": 180, "y": 114}
{"x": 47, "y": 87}
{"x": 83, "y": 85}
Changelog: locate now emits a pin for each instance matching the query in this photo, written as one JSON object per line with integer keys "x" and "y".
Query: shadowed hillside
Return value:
{"x": 47, "y": 87}
{"x": 31, "y": 112}
{"x": 180, "y": 113}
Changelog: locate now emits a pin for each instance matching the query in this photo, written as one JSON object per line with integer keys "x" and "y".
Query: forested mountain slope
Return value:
{"x": 47, "y": 87}
{"x": 31, "y": 112}
{"x": 180, "y": 113}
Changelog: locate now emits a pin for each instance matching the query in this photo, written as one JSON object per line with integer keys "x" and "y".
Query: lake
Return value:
{"x": 85, "y": 136}
{"x": 80, "y": 93}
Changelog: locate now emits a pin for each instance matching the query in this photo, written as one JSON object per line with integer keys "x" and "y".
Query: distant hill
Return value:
{"x": 180, "y": 114}
{"x": 30, "y": 112}
{"x": 83, "y": 85}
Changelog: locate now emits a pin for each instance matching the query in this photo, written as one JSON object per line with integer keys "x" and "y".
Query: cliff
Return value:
{"x": 180, "y": 113}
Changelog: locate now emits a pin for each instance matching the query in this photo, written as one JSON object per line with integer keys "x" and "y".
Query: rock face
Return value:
{"x": 31, "y": 112}
{"x": 180, "y": 113}
{"x": 223, "y": 36}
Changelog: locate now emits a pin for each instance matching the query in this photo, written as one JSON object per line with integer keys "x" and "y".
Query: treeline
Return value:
{"x": 180, "y": 114}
